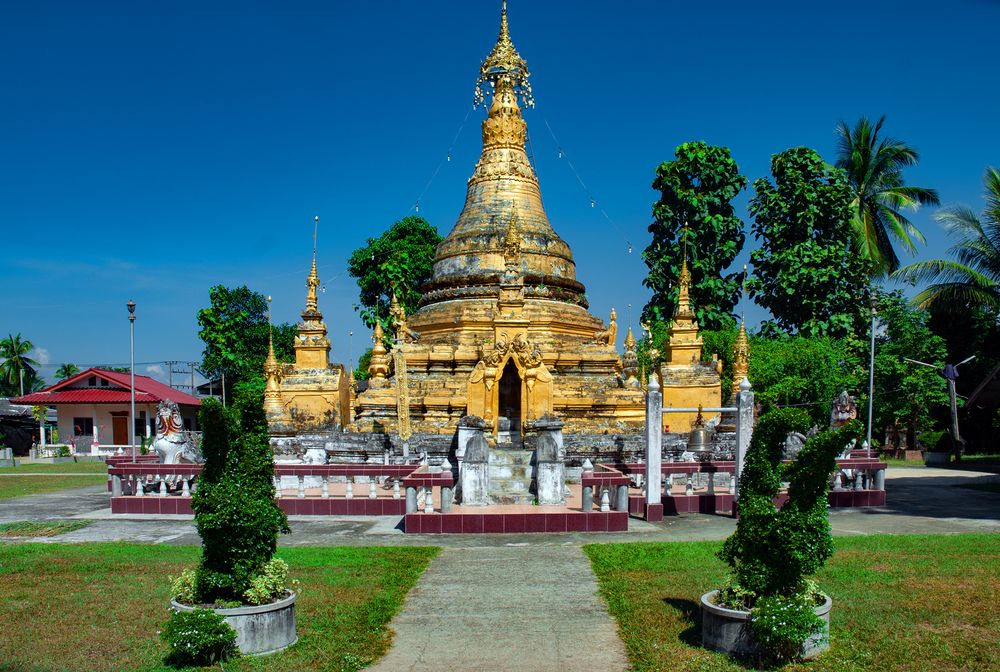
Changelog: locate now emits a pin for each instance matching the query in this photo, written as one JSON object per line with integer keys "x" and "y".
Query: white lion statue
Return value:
{"x": 172, "y": 443}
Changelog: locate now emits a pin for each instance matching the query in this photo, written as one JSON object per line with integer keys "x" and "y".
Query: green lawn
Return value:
{"x": 64, "y": 468}
{"x": 900, "y": 603}
{"x": 48, "y": 528}
{"x": 19, "y": 486}
{"x": 99, "y": 607}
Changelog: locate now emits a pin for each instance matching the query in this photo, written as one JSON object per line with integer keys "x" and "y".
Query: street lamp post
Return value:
{"x": 131, "y": 349}
{"x": 871, "y": 381}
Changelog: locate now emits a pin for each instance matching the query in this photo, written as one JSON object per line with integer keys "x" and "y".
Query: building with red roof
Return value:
{"x": 93, "y": 407}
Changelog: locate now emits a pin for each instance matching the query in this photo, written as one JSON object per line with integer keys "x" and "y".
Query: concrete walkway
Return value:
{"x": 505, "y": 608}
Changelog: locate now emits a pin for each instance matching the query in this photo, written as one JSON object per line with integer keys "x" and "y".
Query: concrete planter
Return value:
{"x": 728, "y": 630}
{"x": 260, "y": 630}
{"x": 937, "y": 459}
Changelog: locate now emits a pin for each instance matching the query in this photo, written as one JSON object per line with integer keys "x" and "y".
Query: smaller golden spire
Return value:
{"x": 683, "y": 307}
{"x": 378, "y": 368}
{"x": 272, "y": 369}
{"x": 741, "y": 358}
{"x": 312, "y": 282}
{"x": 629, "y": 339}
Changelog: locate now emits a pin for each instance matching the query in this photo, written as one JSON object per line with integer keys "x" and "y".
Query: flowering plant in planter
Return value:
{"x": 236, "y": 514}
{"x": 773, "y": 552}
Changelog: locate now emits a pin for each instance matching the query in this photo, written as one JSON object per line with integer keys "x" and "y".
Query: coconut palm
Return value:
{"x": 973, "y": 277}
{"x": 874, "y": 167}
{"x": 67, "y": 370}
{"x": 17, "y": 367}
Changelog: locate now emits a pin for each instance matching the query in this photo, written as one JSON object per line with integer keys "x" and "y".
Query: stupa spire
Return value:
{"x": 504, "y": 65}
{"x": 683, "y": 307}
{"x": 312, "y": 281}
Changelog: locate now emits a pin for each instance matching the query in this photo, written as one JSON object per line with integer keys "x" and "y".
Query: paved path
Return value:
{"x": 505, "y": 608}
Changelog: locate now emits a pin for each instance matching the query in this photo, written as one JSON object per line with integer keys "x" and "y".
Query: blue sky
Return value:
{"x": 151, "y": 150}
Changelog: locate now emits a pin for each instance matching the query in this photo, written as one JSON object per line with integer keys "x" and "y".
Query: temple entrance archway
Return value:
{"x": 509, "y": 397}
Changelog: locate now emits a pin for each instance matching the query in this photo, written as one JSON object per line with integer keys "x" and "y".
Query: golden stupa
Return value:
{"x": 502, "y": 332}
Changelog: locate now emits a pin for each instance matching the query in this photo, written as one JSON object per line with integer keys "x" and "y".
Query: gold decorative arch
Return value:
{"x": 536, "y": 380}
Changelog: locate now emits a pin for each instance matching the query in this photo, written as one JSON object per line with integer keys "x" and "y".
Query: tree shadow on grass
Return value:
{"x": 691, "y": 614}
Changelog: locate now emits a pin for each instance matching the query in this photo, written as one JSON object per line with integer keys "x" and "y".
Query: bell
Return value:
{"x": 700, "y": 439}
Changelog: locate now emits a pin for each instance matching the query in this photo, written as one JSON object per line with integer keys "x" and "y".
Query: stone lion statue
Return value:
{"x": 172, "y": 443}
{"x": 844, "y": 410}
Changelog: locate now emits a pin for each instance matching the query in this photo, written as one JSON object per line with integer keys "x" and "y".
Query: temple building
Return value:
{"x": 503, "y": 332}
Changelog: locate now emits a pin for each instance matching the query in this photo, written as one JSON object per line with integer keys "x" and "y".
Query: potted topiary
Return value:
{"x": 239, "y": 521}
{"x": 770, "y": 610}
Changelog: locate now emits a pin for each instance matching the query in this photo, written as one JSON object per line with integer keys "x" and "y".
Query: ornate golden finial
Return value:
{"x": 312, "y": 282}
{"x": 504, "y": 65}
{"x": 741, "y": 358}
{"x": 630, "y": 362}
{"x": 272, "y": 369}
{"x": 378, "y": 368}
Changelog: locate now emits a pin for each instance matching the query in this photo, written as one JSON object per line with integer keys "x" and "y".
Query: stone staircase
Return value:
{"x": 511, "y": 474}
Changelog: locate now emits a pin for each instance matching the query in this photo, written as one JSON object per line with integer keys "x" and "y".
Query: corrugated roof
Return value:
{"x": 147, "y": 391}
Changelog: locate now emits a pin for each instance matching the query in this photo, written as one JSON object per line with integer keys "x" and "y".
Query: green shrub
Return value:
{"x": 62, "y": 451}
{"x": 772, "y": 552}
{"x": 270, "y": 584}
{"x": 235, "y": 509}
{"x": 780, "y": 625}
{"x": 182, "y": 588}
{"x": 199, "y": 637}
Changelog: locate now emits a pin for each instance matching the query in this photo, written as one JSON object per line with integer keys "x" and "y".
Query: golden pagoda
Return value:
{"x": 503, "y": 330}
{"x": 687, "y": 382}
{"x": 312, "y": 393}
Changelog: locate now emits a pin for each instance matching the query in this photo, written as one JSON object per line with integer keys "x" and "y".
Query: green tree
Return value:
{"x": 697, "y": 188}
{"x": 874, "y": 166}
{"x": 17, "y": 366}
{"x": 805, "y": 271}
{"x": 906, "y": 393}
{"x": 972, "y": 278}
{"x": 235, "y": 331}
{"x": 804, "y": 372}
{"x": 67, "y": 371}
{"x": 401, "y": 258}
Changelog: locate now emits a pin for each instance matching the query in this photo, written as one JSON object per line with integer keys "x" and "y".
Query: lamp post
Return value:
{"x": 871, "y": 381}
{"x": 131, "y": 350}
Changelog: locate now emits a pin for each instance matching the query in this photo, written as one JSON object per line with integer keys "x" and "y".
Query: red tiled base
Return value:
{"x": 654, "y": 513}
{"x": 151, "y": 505}
{"x": 513, "y": 523}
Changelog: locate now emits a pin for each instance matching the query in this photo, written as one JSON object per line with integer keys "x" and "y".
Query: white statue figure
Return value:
{"x": 172, "y": 444}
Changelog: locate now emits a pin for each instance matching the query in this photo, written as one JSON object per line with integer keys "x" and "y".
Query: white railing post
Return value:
{"x": 744, "y": 428}
{"x": 326, "y": 486}
{"x": 654, "y": 440}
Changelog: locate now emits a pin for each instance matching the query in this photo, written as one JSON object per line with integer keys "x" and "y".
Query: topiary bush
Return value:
{"x": 235, "y": 509}
{"x": 773, "y": 552}
{"x": 199, "y": 637}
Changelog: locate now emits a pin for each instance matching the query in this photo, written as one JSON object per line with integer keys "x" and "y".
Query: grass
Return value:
{"x": 49, "y": 528}
{"x": 99, "y": 607}
{"x": 907, "y": 603}
{"x": 64, "y": 468}
{"x": 19, "y": 486}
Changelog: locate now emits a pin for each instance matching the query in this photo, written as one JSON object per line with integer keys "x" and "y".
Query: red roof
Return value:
{"x": 147, "y": 391}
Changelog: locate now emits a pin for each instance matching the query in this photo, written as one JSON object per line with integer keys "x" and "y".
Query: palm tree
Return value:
{"x": 973, "y": 277}
{"x": 874, "y": 167}
{"x": 67, "y": 370}
{"x": 17, "y": 367}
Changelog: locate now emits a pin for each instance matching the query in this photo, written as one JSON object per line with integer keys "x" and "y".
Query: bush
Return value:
{"x": 780, "y": 625}
{"x": 773, "y": 552}
{"x": 235, "y": 509}
{"x": 199, "y": 637}
{"x": 182, "y": 588}
{"x": 270, "y": 584}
